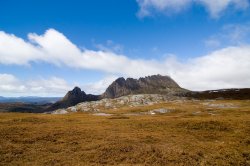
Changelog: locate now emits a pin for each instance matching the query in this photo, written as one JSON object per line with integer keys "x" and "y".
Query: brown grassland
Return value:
{"x": 191, "y": 134}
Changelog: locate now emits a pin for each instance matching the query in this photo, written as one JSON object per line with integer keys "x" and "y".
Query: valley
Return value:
{"x": 146, "y": 121}
{"x": 192, "y": 132}
{"x": 125, "y": 83}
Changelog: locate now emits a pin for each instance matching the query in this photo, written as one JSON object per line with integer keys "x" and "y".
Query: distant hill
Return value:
{"x": 23, "y": 107}
{"x": 237, "y": 94}
{"x": 29, "y": 99}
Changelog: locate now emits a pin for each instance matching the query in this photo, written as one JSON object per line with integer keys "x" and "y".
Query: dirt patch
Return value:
{"x": 206, "y": 125}
{"x": 118, "y": 117}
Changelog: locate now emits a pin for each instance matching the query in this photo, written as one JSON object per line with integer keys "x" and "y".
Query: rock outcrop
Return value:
{"x": 155, "y": 84}
{"x": 118, "y": 103}
{"x": 72, "y": 98}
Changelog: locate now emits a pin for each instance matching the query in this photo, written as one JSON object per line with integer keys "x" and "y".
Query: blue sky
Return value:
{"x": 197, "y": 42}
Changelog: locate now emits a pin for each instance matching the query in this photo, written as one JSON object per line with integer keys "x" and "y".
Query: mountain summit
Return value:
{"x": 73, "y": 97}
{"x": 155, "y": 84}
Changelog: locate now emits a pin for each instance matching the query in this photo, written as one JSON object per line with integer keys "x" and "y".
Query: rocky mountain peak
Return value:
{"x": 75, "y": 94}
{"x": 159, "y": 80}
{"x": 72, "y": 98}
{"x": 155, "y": 84}
{"x": 76, "y": 90}
{"x": 120, "y": 81}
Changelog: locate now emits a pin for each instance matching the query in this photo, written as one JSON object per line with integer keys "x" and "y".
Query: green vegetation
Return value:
{"x": 193, "y": 133}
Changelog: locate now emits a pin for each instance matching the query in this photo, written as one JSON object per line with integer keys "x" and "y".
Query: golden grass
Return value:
{"x": 182, "y": 137}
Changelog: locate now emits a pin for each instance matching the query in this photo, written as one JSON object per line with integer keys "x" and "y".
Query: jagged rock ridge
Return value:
{"x": 155, "y": 84}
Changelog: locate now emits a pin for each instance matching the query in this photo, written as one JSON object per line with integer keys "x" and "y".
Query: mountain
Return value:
{"x": 29, "y": 99}
{"x": 155, "y": 84}
{"x": 23, "y": 107}
{"x": 72, "y": 98}
{"x": 235, "y": 94}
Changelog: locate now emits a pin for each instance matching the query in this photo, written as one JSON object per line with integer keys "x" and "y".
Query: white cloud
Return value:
{"x": 224, "y": 68}
{"x": 10, "y": 85}
{"x": 14, "y": 50}
{"x": 99, "y": 86}
{"x": 230, "y": 34}
{"x": 236, "y": 33}
{"x": 53, "y": 86}
{"x": 53, "y": 47}
{"x": 148, "y": 6}
{"x": 214, "y": 7}
{"x": 212, "y": 42}
{"x": 109, "y": 46}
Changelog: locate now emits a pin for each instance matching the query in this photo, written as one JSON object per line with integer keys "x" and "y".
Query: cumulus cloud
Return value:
{"x": 236, "y": 33}
{"x": 53, "y": 47}
{"x": 149, "y": 6}
{"x": 212, "y": 42}
{"x": 99, "y": 86}
{"x": 230, "y": 34}
{"x": 224, "y": 68}
{"x": 109, "y": 46}
{"x": 10, "y": 85}
{"x": 214, "y": 7}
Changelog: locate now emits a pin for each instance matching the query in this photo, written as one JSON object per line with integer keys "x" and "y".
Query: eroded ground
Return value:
{"x": 190, "y": 132}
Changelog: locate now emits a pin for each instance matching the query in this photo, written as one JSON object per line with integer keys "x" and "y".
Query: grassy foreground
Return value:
{"x": 192, "y": 134}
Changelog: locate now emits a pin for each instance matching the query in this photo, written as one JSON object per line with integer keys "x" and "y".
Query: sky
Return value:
{"x": 48, "y": 47}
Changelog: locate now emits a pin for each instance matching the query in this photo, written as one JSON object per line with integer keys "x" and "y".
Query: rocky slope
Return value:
{"x": 147, "y": 104}
{"x": 116, "y": 103}
{"x": 155, "y": 84}
{"x": 72, "y": 98}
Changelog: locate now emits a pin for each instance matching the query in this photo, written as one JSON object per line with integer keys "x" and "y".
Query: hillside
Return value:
{"x": 23, "y": 107}
{"x": 29, "y": 99}
{"x": 236, "y": 94}
{"x": 189, "y": 132}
